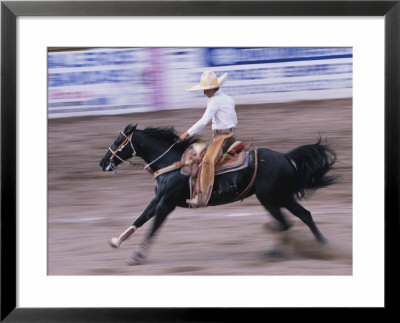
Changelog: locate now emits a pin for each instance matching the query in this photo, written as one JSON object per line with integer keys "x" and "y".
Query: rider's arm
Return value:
{"x": 205, "y": 119}
{"x": 183, "y": 136}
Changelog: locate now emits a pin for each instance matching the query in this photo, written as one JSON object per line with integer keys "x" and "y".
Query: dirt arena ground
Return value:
{"x": 86, "y": 207}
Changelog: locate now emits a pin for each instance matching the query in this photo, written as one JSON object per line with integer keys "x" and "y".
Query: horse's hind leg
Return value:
{"x": 279, "y": 250}
{"x": 305, "y": 215}
{"x": 275, "y": 211}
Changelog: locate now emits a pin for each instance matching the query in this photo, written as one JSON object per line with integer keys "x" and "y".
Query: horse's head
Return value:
{"x": 120, "y": 151}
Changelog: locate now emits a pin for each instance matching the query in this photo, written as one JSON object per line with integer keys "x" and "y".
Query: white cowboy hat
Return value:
{"x": 208, "y": 80}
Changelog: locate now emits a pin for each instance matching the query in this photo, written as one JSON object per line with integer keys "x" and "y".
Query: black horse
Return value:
{"x": 279, "y": 179}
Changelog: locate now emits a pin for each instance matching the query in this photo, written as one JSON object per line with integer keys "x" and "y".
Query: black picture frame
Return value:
{"x": 11, "y": 10}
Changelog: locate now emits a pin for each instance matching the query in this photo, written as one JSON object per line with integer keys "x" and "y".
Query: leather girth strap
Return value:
{"x": 247, "y": 189}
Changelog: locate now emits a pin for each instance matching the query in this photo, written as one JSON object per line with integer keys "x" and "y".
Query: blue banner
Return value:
{"x": 241, "y": 56}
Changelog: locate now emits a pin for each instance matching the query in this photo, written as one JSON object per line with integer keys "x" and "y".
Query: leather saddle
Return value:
{"x": 234, "y": 159}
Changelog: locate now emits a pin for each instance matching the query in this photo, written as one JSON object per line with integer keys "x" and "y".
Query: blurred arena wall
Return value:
{"x": 103, "y": 81}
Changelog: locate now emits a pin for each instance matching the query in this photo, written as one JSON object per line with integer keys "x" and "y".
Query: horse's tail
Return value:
{"x": 312, "y": 163}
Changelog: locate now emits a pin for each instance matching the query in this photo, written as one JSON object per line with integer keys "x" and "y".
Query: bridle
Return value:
{"x": 128, "y": 139}
{"x": 114, "y": 153}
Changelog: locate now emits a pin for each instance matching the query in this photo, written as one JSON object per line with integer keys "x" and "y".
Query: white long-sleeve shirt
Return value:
{"x": 221, "y": 109}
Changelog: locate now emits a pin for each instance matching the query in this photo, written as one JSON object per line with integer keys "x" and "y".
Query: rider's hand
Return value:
{"x": 183, "y": 136}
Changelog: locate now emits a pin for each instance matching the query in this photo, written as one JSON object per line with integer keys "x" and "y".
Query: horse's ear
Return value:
{"x": 129, "y": 129}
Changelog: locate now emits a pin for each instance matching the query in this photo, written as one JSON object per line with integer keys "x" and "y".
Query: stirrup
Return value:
{"x": 196, "y": 201}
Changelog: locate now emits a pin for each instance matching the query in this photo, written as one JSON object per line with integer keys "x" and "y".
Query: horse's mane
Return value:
{"x": 169, "y": 135}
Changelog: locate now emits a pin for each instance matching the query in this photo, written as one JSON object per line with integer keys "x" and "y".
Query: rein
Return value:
{"x": 159, "y": 157}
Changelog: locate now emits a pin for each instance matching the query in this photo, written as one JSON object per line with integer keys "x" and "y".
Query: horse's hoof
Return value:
{"x": 135, "y": 261}
{"x": 274, "y": 227}
{"x": 276, "y": 253}
{"x": 322, "y": 240}
{"x": 137, "y": 258}
{"x": 114, "y": 242}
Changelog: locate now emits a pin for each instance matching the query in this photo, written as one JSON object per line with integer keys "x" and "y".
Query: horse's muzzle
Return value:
{"x": 107, "y": 166}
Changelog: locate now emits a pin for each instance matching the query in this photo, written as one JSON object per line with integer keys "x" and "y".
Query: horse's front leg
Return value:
{"x": 163, "y": 208}
{"x": 142, "y": 219}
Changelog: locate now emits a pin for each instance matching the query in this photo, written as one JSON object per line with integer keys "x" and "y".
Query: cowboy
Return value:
{"x": 221, "y": 110}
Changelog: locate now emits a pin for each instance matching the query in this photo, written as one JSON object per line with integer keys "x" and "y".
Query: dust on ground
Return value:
{"x": 86, "y": 207}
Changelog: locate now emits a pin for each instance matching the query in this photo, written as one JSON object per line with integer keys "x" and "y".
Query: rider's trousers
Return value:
{"x": 213, "y": 154}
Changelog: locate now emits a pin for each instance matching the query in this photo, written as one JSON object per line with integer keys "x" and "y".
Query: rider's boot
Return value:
{"x": 195, "y": 201}
{"x": 200, "y": 200}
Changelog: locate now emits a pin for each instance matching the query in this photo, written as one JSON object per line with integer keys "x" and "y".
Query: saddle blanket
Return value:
{"x": 235, "y": 163}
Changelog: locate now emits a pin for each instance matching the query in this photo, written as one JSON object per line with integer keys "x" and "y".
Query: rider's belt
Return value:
{"x": 223, "y": 131}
